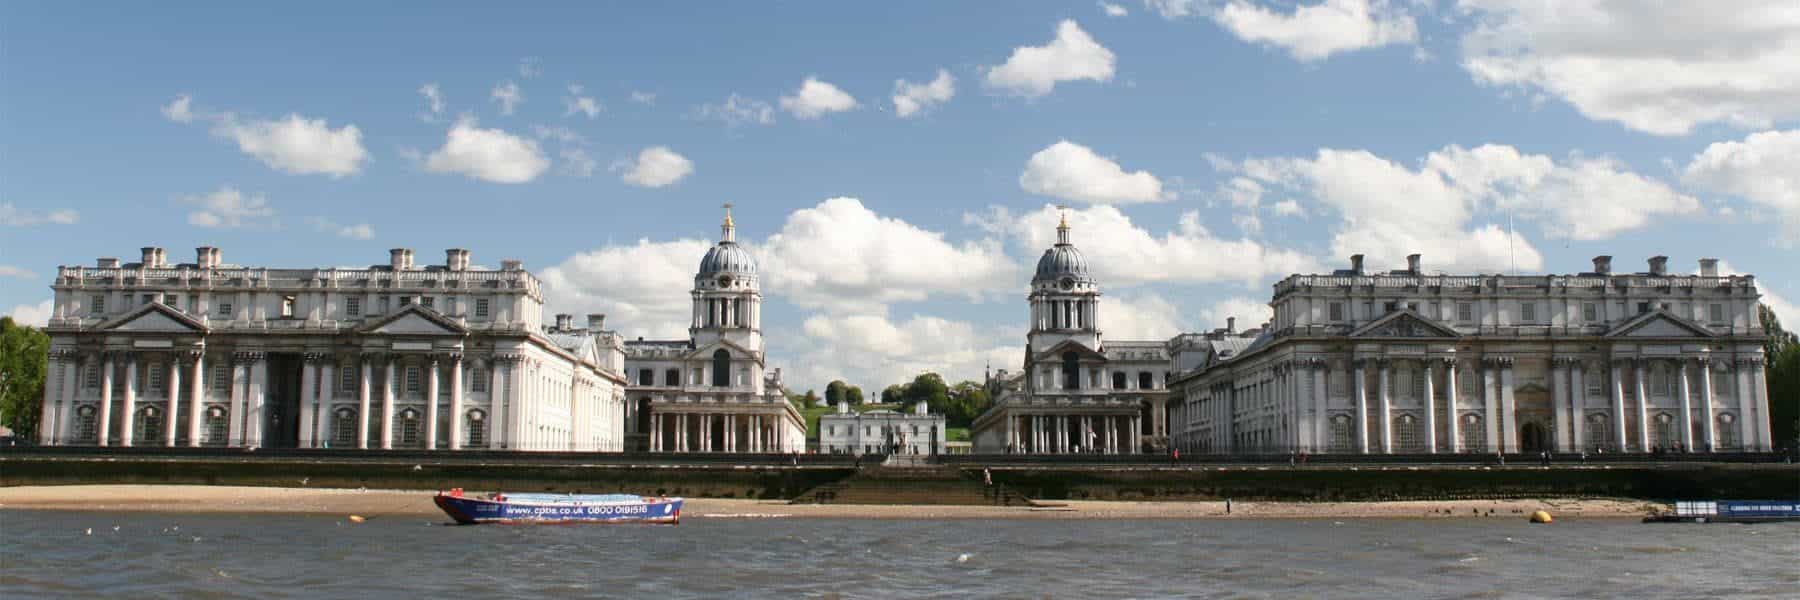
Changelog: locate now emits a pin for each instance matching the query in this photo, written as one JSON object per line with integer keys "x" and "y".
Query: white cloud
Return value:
{"x": 1034, "y": 71}
{"x": 180, "y": 110}
{"x": 298, "y": 145}
{"x": 434, "y": 103}
{"x": 13, "y": 216}
{"x": 359, "y": 231}
{"x": 644, "y": 98}
{"x": 913, "y": 98}
{"x": 12, "y": 271}
{"x": 1725, "y": 61}
{"x": 229, "y": 208}
{"x": 1113, "y": 10}
{"x": 576, "y": 162}
{"x": 577, "y": 103}
{"x": 560, "y": 134}
{"x": 874, "y": 351}
{"x": 875, "y": 260}
{"x": 1289, "y": 208}
{"x": 1120, "y": 253}
{"x": 1143, "y": 316}
{"x": 1074, "y": 172}
{"x": 35, "y": 315}
{"x": 816, "y": 99}
{"x": 1788, "y": 312}
{"x": 487, "y": 154}
{"x": 1249, "y": 312}
{"x": 1315, "y": 32}
{"x": 1174, "y": 9}
{"x": 643, "y": 287}
{"x": 655, "y": 167}
{"x": 508, "y": 95}
{"x": 1764, "y": 168}
{"x": 530, "y": 67}
{"x": 737, "y": 110}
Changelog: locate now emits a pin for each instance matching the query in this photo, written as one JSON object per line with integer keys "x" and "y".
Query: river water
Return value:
{"x": 46, "y": 554}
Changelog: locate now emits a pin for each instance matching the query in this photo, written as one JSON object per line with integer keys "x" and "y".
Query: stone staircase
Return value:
{"x": 927, "y": 485}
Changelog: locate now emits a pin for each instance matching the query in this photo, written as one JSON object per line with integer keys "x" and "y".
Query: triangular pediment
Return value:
{"x": 154, "y": 318}
{"x": 1660, "y": 324}
{"x": 1404, "y": 323}
{"x": 1082, "y": 351}
{"x": 736, "y": 351}
{"x": 415, "y": 319}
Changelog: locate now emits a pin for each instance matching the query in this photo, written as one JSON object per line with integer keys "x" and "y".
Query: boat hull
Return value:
{"x": 474, "y": 511}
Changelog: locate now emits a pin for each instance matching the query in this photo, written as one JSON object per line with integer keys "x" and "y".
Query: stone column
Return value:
{"x": 308, "y": 405}
{"x": 71, "y": 383}
{"x": 1429, "y": 371}
{"x": 329, "y": 376}
{"x": 1490, "y": 404}
{"x": 1618, "y": 404}
{"x": 1577, "y": 406}
{"x": 1509, "y": 414}
{"x": 130, "y": 405}
{"x": 1759, "y": 388}
{"x": 52, "y": 406}
{"x": 431, "y": 402}
{"x": 1559, "y": 402}
{"x": 1453, "y": 431}
{"x": 1137, "y": 428}
{"x": 1643, "y": 406}
{"x": 1321, "y": 405}
{"x": 365, "y": 381}
{"x": 681, "y": 432}
{"x": 1387, "y": 405}
{"x": 174, "y": 385}
{"x": 1362, "y": 405}
{"x": 1687, "y": 407}
{"x": 705, "y": 430}
{"x": 1706, "y": 404}
{"x": 258, "y": 400}
{"x": 457, "y": 437}
{"x": 103, "y": 432}
{"x": 389, "y": 390}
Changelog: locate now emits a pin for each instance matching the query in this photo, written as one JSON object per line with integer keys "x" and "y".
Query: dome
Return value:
{"x": 727, "y": 258}
{"x": 1061, "y": 261}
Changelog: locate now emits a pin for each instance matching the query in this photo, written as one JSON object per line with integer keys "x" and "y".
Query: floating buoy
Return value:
{"x": 964, "y": 557}
{"x": 1541, "y": 517}
{"x": 357, "y": 519}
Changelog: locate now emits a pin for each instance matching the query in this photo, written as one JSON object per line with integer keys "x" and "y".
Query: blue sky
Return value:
{"x": 1205, "y": 149}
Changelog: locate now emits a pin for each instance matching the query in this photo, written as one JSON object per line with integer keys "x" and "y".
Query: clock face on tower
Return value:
{"x": 1068, "y": 284}
{"x": 725, "y": 281}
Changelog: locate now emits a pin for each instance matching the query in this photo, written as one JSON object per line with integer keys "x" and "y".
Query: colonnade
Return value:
{"x": 1074, "y": 433}
{"x": 683, "y": 431}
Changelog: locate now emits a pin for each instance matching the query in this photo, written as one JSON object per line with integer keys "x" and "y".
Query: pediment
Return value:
{"x": 1404, "y": 324}
{"x": 415, "y": 320}
{"x": 736, "y": 351}
{"x": 154, "y": 318}
{"x": 1082, "y": 351}
{"x": 1660, "y": 324}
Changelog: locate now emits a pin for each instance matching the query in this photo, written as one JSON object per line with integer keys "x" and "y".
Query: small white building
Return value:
{"x": 882, "y": 431}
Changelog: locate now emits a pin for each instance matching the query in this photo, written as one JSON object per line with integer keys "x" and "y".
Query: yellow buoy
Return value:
{"x": 1541, "y": 517}
{"x": 357, "y": 519}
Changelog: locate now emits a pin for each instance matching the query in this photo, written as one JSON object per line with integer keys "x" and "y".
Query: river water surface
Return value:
{"x": 45, "y": 554}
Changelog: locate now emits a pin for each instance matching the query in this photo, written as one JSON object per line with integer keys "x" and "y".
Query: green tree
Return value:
{"x": 1782, "y": 354}
{"x": 893, "y": 394}
{"x": 834, "y": 392}
{"x": 24, "y": 362}
{"x": 811, "y": 399}
{"x": 854, "y": 395}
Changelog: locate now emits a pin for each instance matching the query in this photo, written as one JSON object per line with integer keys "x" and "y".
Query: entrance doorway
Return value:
{"x": 1533, "y": 438}
{"x": 281, "y": 423}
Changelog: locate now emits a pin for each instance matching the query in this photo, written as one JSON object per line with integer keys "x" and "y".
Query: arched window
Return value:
{"x": 87, "y": 425}
{"x": 1340, "y": 433}
{"x": 1118, "y": 380}
{"x": 721, "y": 368}
{"x": 407, "y": 428}
{"x": 1596, "y": 432}
{"x": 343, "y": 428}
{"x": 147, "y": 425}
{"x": 1071, "y": 370}
{"x": 1727, "y": 431}
{"x": 476, "y": 434}
{"x": 1474, "y": 433}
{"x": 1663, "y": 435}
{"x": 1406, "y": 434}
{"x": 218, "y": 428}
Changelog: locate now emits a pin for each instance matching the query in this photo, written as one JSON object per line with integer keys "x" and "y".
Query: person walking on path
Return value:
{"x": 987, "y": 477}
{"x": 1228, "y": 506}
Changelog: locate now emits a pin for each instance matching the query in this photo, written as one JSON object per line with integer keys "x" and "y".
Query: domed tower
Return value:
{"x": 1065, "y": 299}
{"x": 727, "y": 299}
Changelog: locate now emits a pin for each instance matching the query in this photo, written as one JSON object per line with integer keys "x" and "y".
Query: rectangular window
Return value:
{"x": 97, "y": 305}
{"x": 428, "y": 301}
{"x": 1337, "y": 311}
{"x": 172, "y": 300}
{"x": 194, "y": 304}
{"x": 1465, "y": 312}
{"x": 156, "y": 376}
{"x": 481, "y": 308}
{"x": 1528, "y": 312}
{"x": 412, "y": 380}
{"x": 1715, "y": 312}
{"x": 1721, "y": 383}
{"x": 1643, "y": 307}
{"x": 1590, "y": 312}
{"x": 450, "y": 305}
{"x": 347, "y": 377}
{"x": 93, "y": 376}
{"x": 672, "y": 377}
{"x": 287, "y": 307}
{"x": 1466, "y": 379}
{"x": 478, "y": 380}
{"x": 646, "y": 377}
{"x": 1418, "y": 382}
{"x": 225, "y": 309}
{"x": 353, "y": 306}
{"x": 1659, "y": 382}
{"x": 1390, "y": 307}
{"x": 384, "y": 304}
{"x": 406, "y": 301}
{"x": 222, "y": 378}
{"x": 148, "y": 299}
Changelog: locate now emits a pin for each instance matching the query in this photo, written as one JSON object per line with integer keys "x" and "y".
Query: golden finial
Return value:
{"x": 1064, "y": 209}
{"x": 728, "y": 214}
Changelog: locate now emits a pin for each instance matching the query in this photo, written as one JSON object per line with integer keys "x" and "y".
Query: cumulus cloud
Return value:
{"x": 1174, "y": 9}
{"x": 180, "y": 110}
{"x": 875, "y": 260}
{"x": 1727, "y": 61}
{"x": 874, "y": 351}
{"x": 434, "y": 103}
{"x": 35, "y": 315}
{"x": 914, "y": 98}
{"x": 1141, "y": 316}
{"x": 298, "y": 145}
{"x": 14, "y": 216}
{"x": 359, "y": 231}
{"x": 487, "y": 154}
{"x": 1113, "y": 10}
{"x": 575, "y": 103}
{"x": 1074, "y": 172}
{"x": 508, "y": 95}
{"x": 816, "y": 99}
{"x": 1121, "y": 253}
{"x": 737, "y": 110}
{"x": 1317, "y": 31}
{"x": 1764, "y": 169}
{"x": 229, "y": 208}
{"x": 643, "y": 286}
{"x": 1034, "y": 71}
{"x": 655, "y": 167}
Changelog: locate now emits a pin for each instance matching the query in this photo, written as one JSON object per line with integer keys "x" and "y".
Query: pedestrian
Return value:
{"x": 987, "y": 477}
{"x": 1545, "y": 455}
{"x": 1228, "y": 506}
{"x": 1175, "y": 456}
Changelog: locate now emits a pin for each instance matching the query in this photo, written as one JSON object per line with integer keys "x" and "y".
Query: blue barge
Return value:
{"x": 558, "y": 508}
{"x": 1729, "y": 511}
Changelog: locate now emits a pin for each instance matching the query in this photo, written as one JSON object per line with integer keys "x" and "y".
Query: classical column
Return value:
{"x": 1387, "y": 405}
{"x": 71, "y": 382}
{"x": 1687, "y": 407}
{"x": 104, "y": 431}
{"x": 365, "y": 381}
{"x": 681, "y": 433}
{"x": 431, "y": 402}
{"x": 1618, "y": 404}
{"x": 1577, "y": 405}
{"x": 329, "y": 378}
{"x": 130, "y": 405}
{"x": 1643, "y": 406}
{"x": 1759, "y": 389}
{"x": 174, "y": 385}
{"x": 1362, "y": 405}
{"x": 258, "y": 400}
{"x": 706, "y": 428}
{"x": 1706, "y": 404}
{"x": 656, "y": 432}
{"x": 1490, "y": 404}
{"x": 496, "y": 396}
{"x": 308, "y": 403}
{"x": 52, "y": 405}
{"x": 1509, "y": 414}
{"x": 1321, "y": 404}
{"x": 1559, "y": 402}
{"x": 1453, "y": 425}
{"x": 389, "y": 389}
{"x": 1430, "y": 373}
{"x": 1137, "y": 429}
{"x": 456, "y": 402}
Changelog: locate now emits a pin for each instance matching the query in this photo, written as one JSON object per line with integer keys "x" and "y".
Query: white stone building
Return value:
{"x": 1077, "y": 393}
{"x": 712, "y": 392}
{"x": 1410, "y": 362}
{"x": 389, "y": 356}
{"x": 882, "y": 431}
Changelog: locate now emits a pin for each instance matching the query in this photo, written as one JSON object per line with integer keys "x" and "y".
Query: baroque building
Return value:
{"x": 713, "y": 392}
{"x": 1078, "y": 392}
{"x": 1409, "y": 362}
{"x": 882, "y": 431}
{"x": 390, "y": 356}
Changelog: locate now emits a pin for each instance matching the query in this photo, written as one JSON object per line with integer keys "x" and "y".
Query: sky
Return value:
{"x": 897, "y": 167}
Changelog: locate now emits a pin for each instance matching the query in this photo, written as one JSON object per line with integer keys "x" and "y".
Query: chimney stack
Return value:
{"x": 203, "y": 257}
{"x": 400, "y": 259}
{"x": 596, "y": 322}
{"x": 1709, "y": 267}
{"x": 1603, "y": 265}
{"x": 107, "y": 263}
{"x": 512, "y": 265}
{"x": 1356, "y": 264}
{"x": 1412, "y": 263}
{"x": 564, "y": 322}
{"x": 456, "y": 259}
{"x": 151, "y": 254}
{"x": 1659, "y": 265}
{"x": 1230, "y": 324}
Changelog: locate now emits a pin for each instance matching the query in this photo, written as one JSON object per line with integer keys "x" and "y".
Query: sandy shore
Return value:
{"x": 375, "y": 503}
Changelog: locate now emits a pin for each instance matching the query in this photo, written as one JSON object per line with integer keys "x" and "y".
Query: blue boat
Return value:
{"x": 1729, "y": 511}
{"x": 558, "y": 508}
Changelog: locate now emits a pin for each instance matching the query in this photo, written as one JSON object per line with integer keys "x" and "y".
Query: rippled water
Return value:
{"x": 51, "y": 555}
